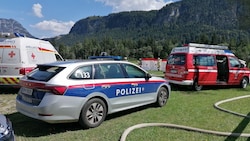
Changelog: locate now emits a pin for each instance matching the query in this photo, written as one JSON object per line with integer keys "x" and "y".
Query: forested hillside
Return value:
{"x": 154, "y": 33}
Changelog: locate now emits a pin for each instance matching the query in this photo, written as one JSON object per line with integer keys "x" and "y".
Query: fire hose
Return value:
{"x": 188, "y": 128}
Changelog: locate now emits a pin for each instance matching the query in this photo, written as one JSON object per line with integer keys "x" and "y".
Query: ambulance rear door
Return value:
{"x": 10, "y": 61}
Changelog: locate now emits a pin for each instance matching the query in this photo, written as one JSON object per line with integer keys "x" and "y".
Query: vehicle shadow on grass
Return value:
{"x": 130, "y": 111}
{"x": 9, "y": 90}
{"x": 29, "y": 127}
{"x": 190, "y": 90}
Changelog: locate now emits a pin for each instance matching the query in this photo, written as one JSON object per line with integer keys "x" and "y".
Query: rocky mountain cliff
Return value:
{"x": 12, "y": 26}
{"x": 184, "y": 20}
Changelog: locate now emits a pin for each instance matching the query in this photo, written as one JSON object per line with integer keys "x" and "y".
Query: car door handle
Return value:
{"x": 89, "y": 86}
{"x": 134, "y": 84}
{"x": 105, "y": 86}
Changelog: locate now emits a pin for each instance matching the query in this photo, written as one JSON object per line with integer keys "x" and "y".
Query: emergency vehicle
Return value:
{"x": 86, "y": 91}
{"x": 20, "y": 55}
{"x": 198, "y": 65}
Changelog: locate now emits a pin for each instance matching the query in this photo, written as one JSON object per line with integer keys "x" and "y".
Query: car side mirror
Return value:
{"x": 148, "y": 76}
{"x": 242, "y": 65}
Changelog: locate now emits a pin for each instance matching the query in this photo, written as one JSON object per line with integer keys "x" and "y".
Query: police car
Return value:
{"x": 86, "y": 91}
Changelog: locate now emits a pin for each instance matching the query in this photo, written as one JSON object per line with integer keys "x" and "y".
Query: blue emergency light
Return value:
{"x": 19, "y": 35}
{"x": 106, "y": 57}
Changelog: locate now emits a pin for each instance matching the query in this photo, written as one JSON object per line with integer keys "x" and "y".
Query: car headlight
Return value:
{"x": 4, "y": 131}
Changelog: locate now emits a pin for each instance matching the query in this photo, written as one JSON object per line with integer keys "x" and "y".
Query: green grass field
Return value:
{"x": 185, "y": 107}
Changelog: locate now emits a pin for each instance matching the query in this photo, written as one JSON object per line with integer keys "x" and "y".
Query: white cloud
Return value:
{"x": 37, "y": 10}
{"x": 133, "y": 5}
{"x": 54, "y": 27}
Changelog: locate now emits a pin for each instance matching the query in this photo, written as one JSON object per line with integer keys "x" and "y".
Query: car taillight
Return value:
{"x": 58, "y": 90}
{"x": 24, "y": 71}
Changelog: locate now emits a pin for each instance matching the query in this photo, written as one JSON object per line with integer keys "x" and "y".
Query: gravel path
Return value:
{"x": 7, "y": 103}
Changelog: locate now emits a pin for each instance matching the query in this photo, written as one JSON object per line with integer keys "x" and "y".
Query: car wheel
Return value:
{"x": 162, "y": 97}
{"x": 196, "y": 86}
{"x": 244, "y": 82}
{"x": 93, "y": 113}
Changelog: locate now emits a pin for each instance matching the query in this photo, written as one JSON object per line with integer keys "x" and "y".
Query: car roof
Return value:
{"x": 81, "y": 62}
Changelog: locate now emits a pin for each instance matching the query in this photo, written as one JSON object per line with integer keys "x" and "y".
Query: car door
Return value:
{"x": 206, "y": 70}
{"x": 111, "y": 81}
{"x": 141, "y": 89}
{"x": 124, "y": 85}
{"x": 235, "y": 73}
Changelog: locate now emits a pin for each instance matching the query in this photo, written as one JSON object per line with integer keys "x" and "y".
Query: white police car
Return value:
{"x": 88, "y": 90}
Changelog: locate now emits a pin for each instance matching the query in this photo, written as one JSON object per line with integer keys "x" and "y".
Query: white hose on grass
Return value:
{"x": 188, "y": 128}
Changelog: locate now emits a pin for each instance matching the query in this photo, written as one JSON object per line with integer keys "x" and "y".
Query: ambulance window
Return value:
{"x": 134, "y": 72}
{"x": 234, "y": 62}
{"x": 177, "y": 59}
{"x": 58, "y": 57}
{"x": 84, "y": 72}
{"x": 204, "y": 60}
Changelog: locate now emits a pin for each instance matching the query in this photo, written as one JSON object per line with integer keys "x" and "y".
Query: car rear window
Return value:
{"x": 176, "y": 59}
{"x": 44, "y": 73}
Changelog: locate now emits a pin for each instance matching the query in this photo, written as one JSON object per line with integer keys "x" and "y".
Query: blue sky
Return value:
{"x": 49, "y": 18}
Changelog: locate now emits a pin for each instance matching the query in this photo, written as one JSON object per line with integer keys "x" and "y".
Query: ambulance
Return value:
{"x": 199, "y": 65}
{"x": 20, "y": 55}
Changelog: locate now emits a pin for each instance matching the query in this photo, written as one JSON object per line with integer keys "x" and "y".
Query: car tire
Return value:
{"x": 244, "y": 83}
{"x": 196, "y": 86}
{"x": 93, "y": 113}
{"x": 162, "y": 97}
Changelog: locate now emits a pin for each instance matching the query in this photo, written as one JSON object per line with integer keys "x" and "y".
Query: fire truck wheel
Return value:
{"x": 196, "y": 86}
{"x": 244, "y": 83}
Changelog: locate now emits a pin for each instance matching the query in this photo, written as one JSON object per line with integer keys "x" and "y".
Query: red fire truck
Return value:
{"x": 198, "y": 65}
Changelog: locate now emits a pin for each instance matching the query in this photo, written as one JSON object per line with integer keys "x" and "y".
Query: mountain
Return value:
{"x": 12, "y": 26}
{"x": 184, "y": 20}
{"x": 154, "y": 33}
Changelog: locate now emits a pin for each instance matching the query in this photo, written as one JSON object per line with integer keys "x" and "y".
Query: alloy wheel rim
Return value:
{"x": 163, "y": 98}
{"x": 95, "y": 113}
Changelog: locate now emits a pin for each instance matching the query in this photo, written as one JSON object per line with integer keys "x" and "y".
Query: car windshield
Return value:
{"x": 44, "y": 73}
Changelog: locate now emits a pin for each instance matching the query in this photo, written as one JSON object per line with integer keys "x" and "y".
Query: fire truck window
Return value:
{"x": 204, "y": 60}
{"x": 177, "y": 59}
{"x": 234, "y": 62}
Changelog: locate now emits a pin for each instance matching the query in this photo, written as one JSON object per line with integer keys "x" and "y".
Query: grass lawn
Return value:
{"x": 184, "y": 107}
